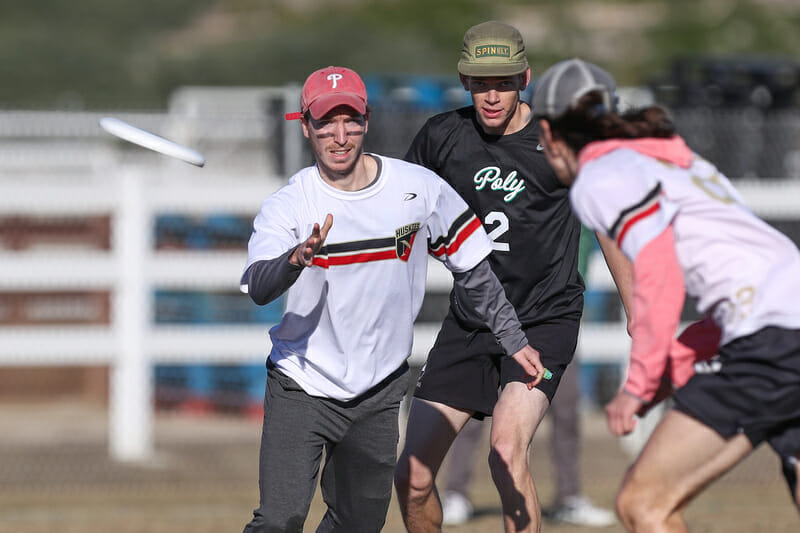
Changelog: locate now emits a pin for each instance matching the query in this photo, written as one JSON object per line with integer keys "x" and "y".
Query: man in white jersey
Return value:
{"x": 348, "y": 239}
{"x": 686, "y": 230}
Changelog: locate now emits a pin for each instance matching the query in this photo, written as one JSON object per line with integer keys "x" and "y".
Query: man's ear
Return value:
{"x": 304, "y": 123}
{"x": 559, "y": 154}
{"x": 552, "y": 147}
{"x": 464, "y": 81}
{"x": 526, "y": 79}
{"x": 544, "y": 126}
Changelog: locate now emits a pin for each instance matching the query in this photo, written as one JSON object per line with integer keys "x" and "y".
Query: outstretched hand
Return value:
{"x": 304, "y": 254}
{"x": 529, "y": 360}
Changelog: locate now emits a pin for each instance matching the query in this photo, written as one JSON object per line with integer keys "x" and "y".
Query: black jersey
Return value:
{"x": 508, "y": 182}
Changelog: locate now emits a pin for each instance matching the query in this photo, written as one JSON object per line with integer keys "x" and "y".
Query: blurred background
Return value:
{"x": 123, "y": 333}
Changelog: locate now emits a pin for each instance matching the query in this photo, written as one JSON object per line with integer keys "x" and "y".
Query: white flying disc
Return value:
{"x": 143, "y": 138}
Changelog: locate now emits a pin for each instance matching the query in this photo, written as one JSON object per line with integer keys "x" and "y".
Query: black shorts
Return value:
{"x": 754, "y": 390}
{"x": 467, "y": 368}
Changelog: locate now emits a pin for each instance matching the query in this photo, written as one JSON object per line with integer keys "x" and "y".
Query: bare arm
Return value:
{"x": 659, "y": 295}
{"x": 621, "y": 271}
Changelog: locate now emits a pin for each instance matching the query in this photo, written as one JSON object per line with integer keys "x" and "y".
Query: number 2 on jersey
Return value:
{"x": 499, "y": 220}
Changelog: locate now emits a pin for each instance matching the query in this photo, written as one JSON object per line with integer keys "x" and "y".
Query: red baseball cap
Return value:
{"x": 330, "y": 87}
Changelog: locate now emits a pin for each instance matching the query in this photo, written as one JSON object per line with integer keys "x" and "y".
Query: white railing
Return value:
{"x": 133, "y": 195}
{"x": 132, "y": 343}
{"x": 130, "y": 271}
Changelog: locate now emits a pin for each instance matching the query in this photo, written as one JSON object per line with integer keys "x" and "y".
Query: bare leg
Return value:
{"x": 431, "y": 429}
{"x": 565, "y": 436}
{"x": 462, "y": 457}
{"x": 681, "y": 458}
{"x": 792, "y": 474}
{"x": 516, "y": 416}
{"x": 797, "y": 481}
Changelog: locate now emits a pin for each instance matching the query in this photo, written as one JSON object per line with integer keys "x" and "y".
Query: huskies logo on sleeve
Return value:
{"x": 404, "y": 240}
{"x": 381, "y": 249}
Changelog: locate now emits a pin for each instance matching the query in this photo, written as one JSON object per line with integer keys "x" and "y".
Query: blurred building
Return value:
{"x": 741, "y": 112}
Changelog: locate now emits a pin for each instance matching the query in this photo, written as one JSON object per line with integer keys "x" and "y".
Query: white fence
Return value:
{"x": 133, "y": 191}
{"x": 132, "y": 343}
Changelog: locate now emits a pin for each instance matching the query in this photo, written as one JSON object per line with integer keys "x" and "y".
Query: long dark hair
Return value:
{"x": 590, "y": 121}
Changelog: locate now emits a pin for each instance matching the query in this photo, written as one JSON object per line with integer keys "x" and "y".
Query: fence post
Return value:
{"x": 131, "y": 391}
{"x": 293, "y": 140}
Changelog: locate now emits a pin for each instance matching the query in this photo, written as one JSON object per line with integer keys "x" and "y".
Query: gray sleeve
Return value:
{"x": 267, "y": 279}
{"x": 479, "y": 299}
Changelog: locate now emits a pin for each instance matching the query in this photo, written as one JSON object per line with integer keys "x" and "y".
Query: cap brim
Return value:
{"x": 491, "y": 69}
{"x": 322, "y": 105}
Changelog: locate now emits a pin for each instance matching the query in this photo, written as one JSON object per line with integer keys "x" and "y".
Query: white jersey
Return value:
{"x": 742, "y": 271}
{"x": 349, "y": 319}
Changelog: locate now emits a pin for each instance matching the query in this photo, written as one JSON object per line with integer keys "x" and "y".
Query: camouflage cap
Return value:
{"x": 492, "y": 49}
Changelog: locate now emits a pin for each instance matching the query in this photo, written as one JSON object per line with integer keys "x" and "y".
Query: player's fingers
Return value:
{"x": 609, "y": 422}
{"x": 531, "y": 381}
{"x": 530, "y": 370}
{"x": 299, "y": 255}
{"x": 326, "y": 226}
{"x": 630, "y": 425}
{"x": 613, "y": 421}
{"x": 308, "y": 255}
{"x": 310, "y": 249}
{"x": 537, "y": 372}
{"x": 620, "y": 424}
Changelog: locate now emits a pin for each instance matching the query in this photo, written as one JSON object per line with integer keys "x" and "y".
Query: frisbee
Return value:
{"x": 132, "y": 134}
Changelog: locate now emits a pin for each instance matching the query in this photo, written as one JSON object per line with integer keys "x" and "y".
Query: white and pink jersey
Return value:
{"x": 743, "y": 273}
{"x": 349, "y": 319}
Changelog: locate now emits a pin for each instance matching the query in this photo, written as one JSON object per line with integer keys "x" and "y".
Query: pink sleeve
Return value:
{"x": 698, "y": 342}
{"x": 658, "y": 295}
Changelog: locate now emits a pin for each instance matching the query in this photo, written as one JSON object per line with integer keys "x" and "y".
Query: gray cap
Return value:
{"x": 563, "y": 84}
{"x": 492, "y": 49}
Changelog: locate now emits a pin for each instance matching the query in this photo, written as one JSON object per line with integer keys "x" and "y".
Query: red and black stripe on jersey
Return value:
{"x": 396, "y": 247}
{"x": 348, "y": 253}
{"x": 635, "y": 213}
{"x": 464, "y": 226}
